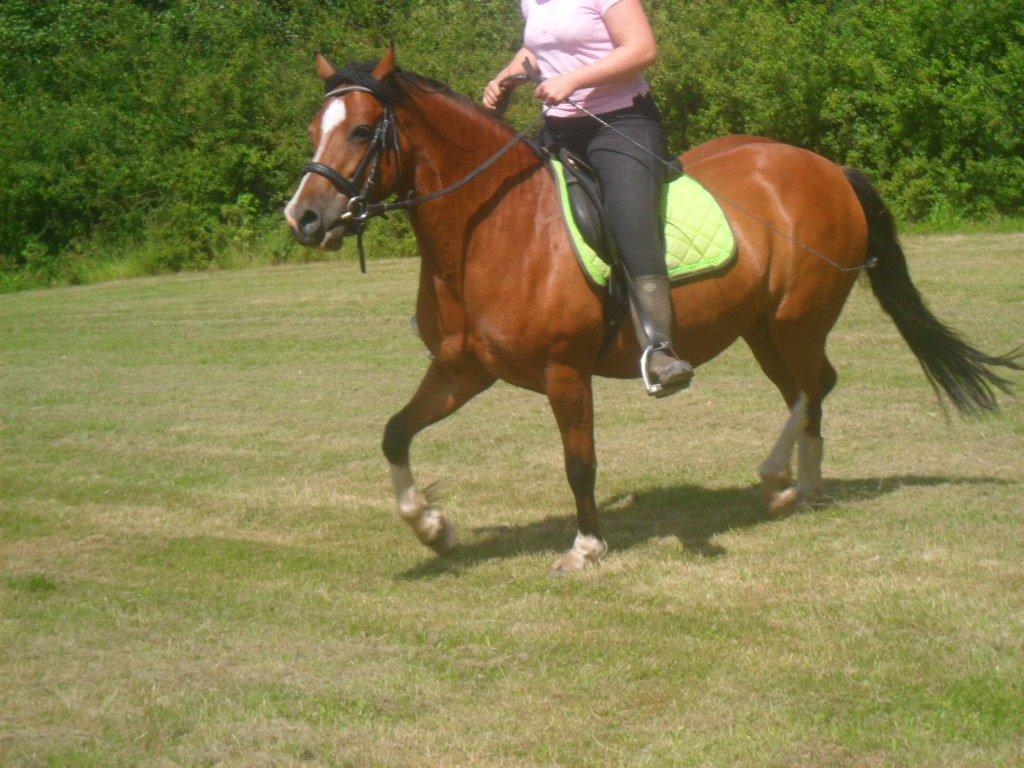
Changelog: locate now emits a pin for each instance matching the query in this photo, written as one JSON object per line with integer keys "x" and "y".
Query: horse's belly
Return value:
{"x": 710, "y": 315}
{"x": 508, "y": 362}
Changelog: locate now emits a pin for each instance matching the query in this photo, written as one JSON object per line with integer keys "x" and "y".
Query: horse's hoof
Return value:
{"x": 432, "y": 528}
{"x": 586, "y": 550}
{"x": 445, "y": 539}
{"x": 774, "y": 484}
{"x": 814, "y": 496}
{"x": 570, "y": 562}
{"x": 783, "y": 503}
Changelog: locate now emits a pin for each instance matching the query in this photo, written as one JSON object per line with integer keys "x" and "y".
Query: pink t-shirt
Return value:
{"x": 568, "y": 34}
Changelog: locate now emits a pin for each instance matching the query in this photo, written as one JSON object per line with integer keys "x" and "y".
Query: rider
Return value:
{"x": 595, "y": 52}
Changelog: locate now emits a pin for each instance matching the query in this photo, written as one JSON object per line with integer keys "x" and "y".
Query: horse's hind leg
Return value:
{"x": 809, "y": 445}
{"x": 776, "y": 473}
{"x": 804, "y": 354}
{"x": 800, "y": 370}
{"x": 443, "y": 390}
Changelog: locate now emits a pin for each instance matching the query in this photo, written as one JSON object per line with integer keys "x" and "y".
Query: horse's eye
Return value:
{"x": 361, "y": 133}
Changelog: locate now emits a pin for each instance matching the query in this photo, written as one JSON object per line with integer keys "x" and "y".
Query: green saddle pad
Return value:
{"x": 698, "y": 237}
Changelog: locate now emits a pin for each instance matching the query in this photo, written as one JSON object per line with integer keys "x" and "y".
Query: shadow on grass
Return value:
{"x": 692, "y": 514}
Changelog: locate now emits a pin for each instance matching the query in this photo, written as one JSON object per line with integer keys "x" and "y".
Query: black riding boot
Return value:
{"x": 666, "y": 373}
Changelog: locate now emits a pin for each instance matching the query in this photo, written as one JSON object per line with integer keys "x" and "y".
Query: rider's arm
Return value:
{"x": 634, "y": 51}
{"x": 515, "y": 67}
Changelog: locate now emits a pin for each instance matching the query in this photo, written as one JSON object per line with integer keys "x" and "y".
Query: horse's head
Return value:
{"x": 355, "y": 156}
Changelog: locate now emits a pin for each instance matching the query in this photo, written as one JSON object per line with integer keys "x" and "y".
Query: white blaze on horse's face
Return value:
{"x": 331, "y": 120}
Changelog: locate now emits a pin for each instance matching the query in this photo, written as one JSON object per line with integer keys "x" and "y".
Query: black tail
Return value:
{"x": 964, "y": 373}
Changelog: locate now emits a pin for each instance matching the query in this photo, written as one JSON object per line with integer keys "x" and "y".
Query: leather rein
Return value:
{"x": 385, "y": 139}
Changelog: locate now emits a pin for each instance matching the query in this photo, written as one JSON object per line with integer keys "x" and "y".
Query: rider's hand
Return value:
{"x": 557, "y": 89}
{"x": 493, "y": 91}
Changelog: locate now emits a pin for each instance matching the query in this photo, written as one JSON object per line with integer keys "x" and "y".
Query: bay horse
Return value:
{"x": 501, "y": 295}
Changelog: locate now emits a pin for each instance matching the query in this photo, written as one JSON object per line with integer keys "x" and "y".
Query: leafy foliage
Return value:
{"x": 173, "y": 130}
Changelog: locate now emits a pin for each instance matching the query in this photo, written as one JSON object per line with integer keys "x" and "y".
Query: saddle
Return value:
{"x": 587, "y": 204}
{"x": 699, "y": 239}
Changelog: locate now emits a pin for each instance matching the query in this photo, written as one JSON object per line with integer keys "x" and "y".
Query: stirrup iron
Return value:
{"x": 675, "y": 382}
{"x": 653, "y": 388}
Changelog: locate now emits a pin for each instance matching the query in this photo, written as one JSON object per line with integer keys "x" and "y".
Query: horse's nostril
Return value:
{"x": 309, "y": 222}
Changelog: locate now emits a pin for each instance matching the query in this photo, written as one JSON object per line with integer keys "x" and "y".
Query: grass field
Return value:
{"x": 201, "y": 564}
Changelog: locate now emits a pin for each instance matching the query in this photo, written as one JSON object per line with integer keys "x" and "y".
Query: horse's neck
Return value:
{"x": 458, "y": 140}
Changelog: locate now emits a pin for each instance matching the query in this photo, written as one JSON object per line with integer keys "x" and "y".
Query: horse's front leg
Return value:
{"x": 444, "y": 389}
{"x": 571, "y": 398}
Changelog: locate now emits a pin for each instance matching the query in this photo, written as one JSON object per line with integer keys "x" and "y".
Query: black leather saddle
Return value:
{"x": 587, "y": 204}
{"x": 588, "y": 209}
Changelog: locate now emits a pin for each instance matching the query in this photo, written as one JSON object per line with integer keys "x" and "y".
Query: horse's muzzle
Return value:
{"x": 309, "y": 228}
{"x": 317, "y": 230}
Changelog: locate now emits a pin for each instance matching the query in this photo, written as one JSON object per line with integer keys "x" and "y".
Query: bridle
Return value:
{"x": 385, "y": 139}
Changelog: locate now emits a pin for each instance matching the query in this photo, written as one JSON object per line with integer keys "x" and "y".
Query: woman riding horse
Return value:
{"x": 593, "y": 53}
{"x": 501, "y": 294}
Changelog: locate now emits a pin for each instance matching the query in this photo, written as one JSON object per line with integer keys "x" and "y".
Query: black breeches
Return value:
{"x": 632, "y": 181}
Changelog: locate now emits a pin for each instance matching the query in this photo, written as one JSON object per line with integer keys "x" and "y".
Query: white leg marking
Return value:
{"x": 332, "y": 118}
{"x": 808, "y": 467}
{"x": 405, "y": 488}
{"x": 413, "y": 507}
{"x": 778, "y": 460}
{"x": 586, "y": 550}
{"x": 590, "y": 547}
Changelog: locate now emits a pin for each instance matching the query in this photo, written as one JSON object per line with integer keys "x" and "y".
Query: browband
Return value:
{"x": 346, "y": 89}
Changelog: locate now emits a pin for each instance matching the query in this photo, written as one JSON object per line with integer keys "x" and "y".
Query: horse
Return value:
{"x": 501, "y": 295}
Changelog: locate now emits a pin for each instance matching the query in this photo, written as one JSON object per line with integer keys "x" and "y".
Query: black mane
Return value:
{"x": 389, "y": 91}
{"x": 361, "y": 73}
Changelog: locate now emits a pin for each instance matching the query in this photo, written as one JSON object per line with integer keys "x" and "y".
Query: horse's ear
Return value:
{"x": 324, "y": 67}
{"x": 386, "y": 66}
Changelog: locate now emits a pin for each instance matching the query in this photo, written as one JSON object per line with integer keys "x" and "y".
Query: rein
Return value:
{"x": 385, "y": 139}
{"x": 378, "y": 209}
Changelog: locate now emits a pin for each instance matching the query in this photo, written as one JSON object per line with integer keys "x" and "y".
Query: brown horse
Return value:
{"x": 501, "y": 294}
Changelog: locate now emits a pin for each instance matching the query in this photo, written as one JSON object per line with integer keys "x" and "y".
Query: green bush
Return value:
{"x": 168, "y": 134}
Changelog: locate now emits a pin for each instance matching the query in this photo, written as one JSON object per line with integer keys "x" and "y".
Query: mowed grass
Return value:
{"x": 201, "y": 564}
